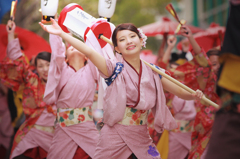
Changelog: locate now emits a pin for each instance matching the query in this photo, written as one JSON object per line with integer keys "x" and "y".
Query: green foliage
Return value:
{"x": 131, "y": 12}
{"x": 153, "y": 44}
{"x": 140, "y": 13}
{"x": 89, "y": 6}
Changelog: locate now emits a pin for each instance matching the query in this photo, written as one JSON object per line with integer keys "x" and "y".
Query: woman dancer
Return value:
{"x": 33, "y": 139}
{"x": 179, "y": 139}
{"x": 72, "y": 87}
{"x": 133, "y": 90}
{"x": 200, "y": 73}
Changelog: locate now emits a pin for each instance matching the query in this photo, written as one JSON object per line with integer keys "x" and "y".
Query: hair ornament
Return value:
{"x": 143, "y": 36}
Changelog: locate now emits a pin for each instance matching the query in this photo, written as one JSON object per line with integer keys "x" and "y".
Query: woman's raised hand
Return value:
{"x": 185, "y": 31}
{"x": 12, "y": 25}
{"x": 52, "y": 29}
{"x": 172, "y": 41}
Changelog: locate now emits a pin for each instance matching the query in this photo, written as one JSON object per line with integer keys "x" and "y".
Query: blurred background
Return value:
{"x": 199, "y": 13}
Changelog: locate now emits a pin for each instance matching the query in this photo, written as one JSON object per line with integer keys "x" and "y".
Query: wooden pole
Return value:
{"x": 169, "y": 77}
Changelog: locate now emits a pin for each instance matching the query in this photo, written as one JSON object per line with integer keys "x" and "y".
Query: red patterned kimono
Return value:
{"x": 198, "y": 74}
{"x": 15, "y": 72}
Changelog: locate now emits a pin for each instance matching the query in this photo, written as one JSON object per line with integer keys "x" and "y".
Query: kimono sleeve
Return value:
{"x": 201, "y": 59}
{"x": 57, "y": 69}
{"x": 203, "y": 68}
{"x": 94, "y": 70}
{"x": 195, "y": 73}
{"x": 58, "y": 52}
{"x": 162, "y": 64}
{"x": 111, "y": 64}
{"x": 14, "y": 69}
{"x": 163, "y": 118}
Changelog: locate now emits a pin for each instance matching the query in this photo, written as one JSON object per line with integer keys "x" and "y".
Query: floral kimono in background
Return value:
{"x": 15, "y": 71}
{"x": 197, "y": 74}
{"x": 176, "y": 143}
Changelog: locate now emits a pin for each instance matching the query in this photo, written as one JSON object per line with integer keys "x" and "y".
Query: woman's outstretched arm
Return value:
{"x": 171, "y": 43}
{"x": 97, "y": 59}
{"x": 180, "y": 92}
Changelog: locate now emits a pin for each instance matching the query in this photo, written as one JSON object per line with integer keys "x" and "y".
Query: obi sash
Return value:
{"x": 134, "y": 117}
{"x": 72, "y": 116}
{"x": 184, "y": 126}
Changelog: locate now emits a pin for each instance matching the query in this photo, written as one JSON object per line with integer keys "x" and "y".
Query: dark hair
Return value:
{"x": 213, "y": 52}
{"x": 44, "y": 56}
{"x": 174, "y": 57}
{"x": 85, "y": 62}
{"x": 124, "y": 26}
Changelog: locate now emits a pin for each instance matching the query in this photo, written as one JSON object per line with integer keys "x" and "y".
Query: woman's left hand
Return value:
{"x": 52, "y": 29}
{"x": 171, "y": 41}
{"x": 198, "y": 95}
{"x": 185, "y": 31}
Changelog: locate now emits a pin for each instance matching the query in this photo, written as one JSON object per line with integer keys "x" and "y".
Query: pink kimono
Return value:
{"x": 141, "y": 92}
{"x": 180, "y": 138}
{"x": 70, "y": 90}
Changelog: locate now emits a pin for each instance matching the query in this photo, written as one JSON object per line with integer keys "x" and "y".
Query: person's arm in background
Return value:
{"x": 97, "y": 59}
{"x": 14, "y": 68}
{"x": 171, "y": 43}
{"x": 185, "y": 31}
{"x": 200, "y": 57}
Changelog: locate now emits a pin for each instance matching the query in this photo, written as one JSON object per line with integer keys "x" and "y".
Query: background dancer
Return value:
{"x": 72, "y": 87}
{"x": 34, "y": 137}
{"x": 184, "y": 112}
{"x": 199, "y": 74}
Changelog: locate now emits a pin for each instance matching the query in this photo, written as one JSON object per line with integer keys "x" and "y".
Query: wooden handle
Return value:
{"x": 106, "y": 39}
{"x": 169, "y": 77}
{"x": 180, "y": 84}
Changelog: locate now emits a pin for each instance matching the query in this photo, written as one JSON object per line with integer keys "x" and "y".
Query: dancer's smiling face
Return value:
{"x": 42, "y": 62}
{"x": 213, "y": 55}
{"x": 128, "y": 42}
{"x": 42, "y": 67}
{"x": 215, "y": 63}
